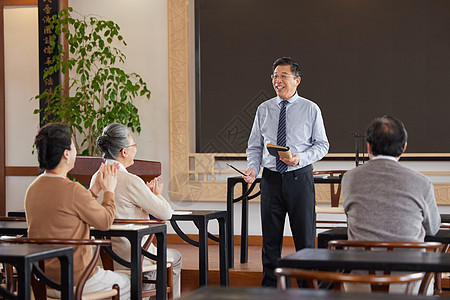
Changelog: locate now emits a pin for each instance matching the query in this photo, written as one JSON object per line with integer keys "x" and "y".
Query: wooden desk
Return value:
{"x": 17, "y": 213}
{"x": 220, "y": 293}
{"x": 135, "y": 234}
{"x": 337, "y": 233}
{"x": 245, "y": 197}
{"x": 445, "y": 218}
{"x": 340, "y": 233}
{"x": 326, "y": 259}
{"x": 23, "y": 257}
{"x": 13, "y": 228}
{"x": 201, "y": 219}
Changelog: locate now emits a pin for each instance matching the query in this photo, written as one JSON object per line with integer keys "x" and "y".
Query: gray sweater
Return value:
{"x": 385, "y": 201}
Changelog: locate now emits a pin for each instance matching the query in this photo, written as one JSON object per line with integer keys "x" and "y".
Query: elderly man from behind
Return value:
{"x": 384, "y": 200}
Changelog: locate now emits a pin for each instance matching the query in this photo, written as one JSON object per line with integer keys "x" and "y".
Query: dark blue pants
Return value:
{"x": 292, "y": 193}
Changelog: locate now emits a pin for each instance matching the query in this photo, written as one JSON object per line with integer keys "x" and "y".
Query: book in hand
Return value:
{"x": 279, "y": 151}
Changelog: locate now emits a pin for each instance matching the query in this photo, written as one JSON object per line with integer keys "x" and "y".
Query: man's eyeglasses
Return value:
{"x": 282, "y": 77}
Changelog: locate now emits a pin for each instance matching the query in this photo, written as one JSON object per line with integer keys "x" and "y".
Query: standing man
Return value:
{"x": 287, "y": 185}
{"x": 383, "y": 200}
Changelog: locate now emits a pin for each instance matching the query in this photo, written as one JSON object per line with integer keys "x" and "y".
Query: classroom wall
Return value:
{"x": 21, "y": 84}
{"x": 144, "y": 26}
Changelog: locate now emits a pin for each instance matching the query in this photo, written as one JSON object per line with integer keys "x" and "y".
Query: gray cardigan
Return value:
{"x": 386, "y": 201}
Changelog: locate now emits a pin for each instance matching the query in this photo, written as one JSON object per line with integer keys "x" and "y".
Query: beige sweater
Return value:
{"x": 59, "y": 208}
{"x": 135, "y": 200}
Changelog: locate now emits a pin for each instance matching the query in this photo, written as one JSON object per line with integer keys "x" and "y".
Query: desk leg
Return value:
{"x": 66, "y": 277}
{"x": 244, "y": 226}
{"x": 161, "y": 264}
{"x": 223, "y": 239}
{"x": 203, "y": 251}
{"x": 230, "y": 217}
{"x": 24, "y": 279}
{"x": 136, "y": 268}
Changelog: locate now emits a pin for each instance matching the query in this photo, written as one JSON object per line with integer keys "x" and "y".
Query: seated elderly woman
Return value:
{"x": 135, "y": 199}
{"x": 57, "y": 207}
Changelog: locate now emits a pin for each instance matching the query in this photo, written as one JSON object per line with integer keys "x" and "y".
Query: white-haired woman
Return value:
{"x": 135, "y": 199}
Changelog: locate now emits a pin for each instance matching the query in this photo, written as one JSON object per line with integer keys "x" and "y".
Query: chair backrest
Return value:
{"x": 377, "y": 282}
{"x": 446, "y": 247}
{"x": 38, "y": 286}
{"x": 86, "y": 166}
{"x": 13, "y": 219}
{"x": 390, "y": 246}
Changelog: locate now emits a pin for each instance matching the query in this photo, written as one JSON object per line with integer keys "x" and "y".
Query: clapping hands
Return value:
{"x": 106, "y": 178}
{"x": 155, "y": 186}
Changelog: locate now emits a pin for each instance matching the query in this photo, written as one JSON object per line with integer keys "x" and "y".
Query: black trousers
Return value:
{"x": 292, "y": 193}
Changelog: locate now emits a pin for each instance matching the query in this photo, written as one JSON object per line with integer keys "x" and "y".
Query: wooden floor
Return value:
{"x": 248, "y": 274}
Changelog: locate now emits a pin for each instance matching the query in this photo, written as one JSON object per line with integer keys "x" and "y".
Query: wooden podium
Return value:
{"x": 86, "y": 166}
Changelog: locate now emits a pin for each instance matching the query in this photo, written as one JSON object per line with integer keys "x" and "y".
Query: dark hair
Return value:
{"x": 113, "y": 139}
{"x": 287, "y": 61}
{"x": 386, "y": 136}
{"x": 51, "y": 141}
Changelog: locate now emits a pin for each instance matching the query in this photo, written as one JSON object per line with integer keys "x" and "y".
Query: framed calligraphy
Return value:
{"x": 46, "y": 9}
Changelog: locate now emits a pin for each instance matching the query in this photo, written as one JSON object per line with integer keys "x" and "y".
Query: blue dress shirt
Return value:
{"x": 305, "y": 131}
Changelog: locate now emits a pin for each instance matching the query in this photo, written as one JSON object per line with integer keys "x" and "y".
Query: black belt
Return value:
{"x": 293, "y": 173}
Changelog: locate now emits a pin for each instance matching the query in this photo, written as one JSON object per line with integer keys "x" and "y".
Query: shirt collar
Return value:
{"x": 291, "y": 100}
{"x": 121, "y": 167}
{"x": 49, "y": 174}
{"x": 384, "y": 157}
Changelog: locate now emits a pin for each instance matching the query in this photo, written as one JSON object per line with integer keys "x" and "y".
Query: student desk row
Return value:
{"x": 134, "y": 234}
{"x": 245, "y": 196}
{"x": 220, "y": 293}
{"x": 24, "y": 256}
{"x": 201, "y": 219}
{"x": 340, "y": 233}
{"x": 332, "y": 260}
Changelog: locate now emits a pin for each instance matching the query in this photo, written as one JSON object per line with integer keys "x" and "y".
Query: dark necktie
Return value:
{"x": 281, "y": 135}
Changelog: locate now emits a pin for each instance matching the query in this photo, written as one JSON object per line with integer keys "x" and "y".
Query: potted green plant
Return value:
{"x": 99, "y": 91}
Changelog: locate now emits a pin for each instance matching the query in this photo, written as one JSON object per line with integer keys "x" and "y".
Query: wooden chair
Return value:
{"x": 39, "y": 286}
{"x": 8, "y": 275}
{"x": 108, "y": 263}
{"x": 390, "y": 246}
{"x": 446, "y": 247}
{"x": 338, "y": 279}
{"x": 13, "y": 219}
